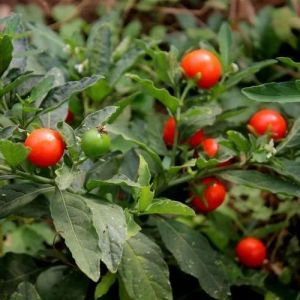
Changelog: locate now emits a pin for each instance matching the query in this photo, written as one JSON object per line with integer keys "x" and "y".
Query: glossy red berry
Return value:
{"x": 268, "y": 120}
{"x": 169, "y": 131}
{"x": 46, "y": 147}
{"x": 196, "y": 139}
{"x": 251, "y": 252}
{"x": 204, "y": 63}
{"x": 213, "y": 195}
{"x": 210, "y": 147}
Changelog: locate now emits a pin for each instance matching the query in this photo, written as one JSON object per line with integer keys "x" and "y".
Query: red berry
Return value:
{"x": 210, "y": 147}
{"x": 196, "y": 139}
{"x": 70, "y": 117}
{"x": 251, "y": 252}
{"x": 46, "y": 147}
{"x": 268, "y": 120}
{"x": 169, "y": 131}
{"x": 213, "y": 195}
{"x": 204, "y": 63}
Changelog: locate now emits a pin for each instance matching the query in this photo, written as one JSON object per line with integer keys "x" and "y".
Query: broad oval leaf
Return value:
{"x": 282, "y": 92}
{"x": 262, "y": 181}
{"x": 110, "y": 224}
{"x": 160, "y": 94}
{"x": 73, "y": 221}
{"x": 13, "y": 153}
{"x": 6, "y": 50}
{"x": 225, "y": 41}
{"x": 168, "y": 207}
{"x": 143, "y": 271}
{"x": 25, "y": 291}
{"x": 195, "y": 256}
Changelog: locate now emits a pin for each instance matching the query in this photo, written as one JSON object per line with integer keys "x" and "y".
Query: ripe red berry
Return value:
{"x": 204, "y": 63}
{"x": 210, "y": 147}
{"x": 251, "y": 252}
{"x": 169, "y": 131}
{"x": 46, "y": 147}
{"x": 268, "y": 120}
{"x": 213, "y": 195}
{"x": 196, "y": 139}
{"x": 70, "y": 117}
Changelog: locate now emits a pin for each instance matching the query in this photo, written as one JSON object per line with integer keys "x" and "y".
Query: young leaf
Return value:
{"x": 262, "y": 181}
{"x": 238, "y": 140}
{"x": 65, "y": 176}
{"x": 73, "y": 221}
{"x": 61, "y": 94}
{"x": 40, "y": 91}
{"x": 6, "y": 49}
{"x": 143, "y": 271}
{"x": 99, "y": 45}
{"x": 195, "y": 256}
{"x": 144, "y": 175}
{"x": 160, "y": 94}
{"x": 13, "y": 153}
{"x": 168, "y": 207}
{"x": 25, "y": 291}
{"x": 145, "y": 197}
{"x": 256, "y": 67}
{"x": 15, "y": 196}
{"x": 110, "y": 224}
{"x": 289, "y": 62}
{"x": 282, "y": 92}
{"x": 104, "y": 285}
{"x": 225, "y": 41}
{"x": 124, "y": 64}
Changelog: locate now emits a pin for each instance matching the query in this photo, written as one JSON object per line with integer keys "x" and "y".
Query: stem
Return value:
{"x": 1, "y": 240}
{"x": 32, "y": 177}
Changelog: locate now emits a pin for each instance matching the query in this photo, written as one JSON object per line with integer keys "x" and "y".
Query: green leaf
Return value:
{"x": 96, "y": 119}
{"x": 143, "y": 271}
{"x": 132, "y": 227}
{"x": 144, "y": 175}
{"x": 61, "y": 94}
{"x": 268, "y": 229}
{"x": 256, "y": 67}
{"x": 289, "y": 62}
{"x": 62, "y": 282}
{"x": 25, "y": 291}
{"x": 225, "y": 42}
{"x": 292, "y": 140}
{"x": 195, "y": 256}
{"x": 282, "y": 92}
{"x": 239, "y": 140}
{"x": 15, "y": 83}
{"x": 6, "y": 50}
{"x": 69, "y": 137}
{"x": 65, "y": 176}
{"x": 73, "y": 221}
{"x": 40, "y": 91}
{"x": 145, "y": 197}
{"x": 120, "y": 179}
{"x": 100, "y": 49}
{"x": 14, "y": 153}
{"x": 168, "y": 207}
{"x": 7, "y": 131}
{"x": 15, "y": 196}
{"x": 262, "y": 181}
{"x": 286, "y": 167}
{"x": 124, "y": 64}
{"x": 110, "y": 224}
{"x": 160, "y": 94}
{"x": 104, "y": 285}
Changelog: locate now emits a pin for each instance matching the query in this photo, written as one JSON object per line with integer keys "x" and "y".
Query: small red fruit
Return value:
{"x": 196, "y": 139}
{"x": 268, "y": 120}
{"x": 204, "y": 62}
{"x": 210, "y": 147}
{"x": 46, "y": 147}
{"x": 213, "y": 195}
{"x": 70, "y": 117}
{"x": 251, "y": 252}
{"x": 169, "y": 131}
